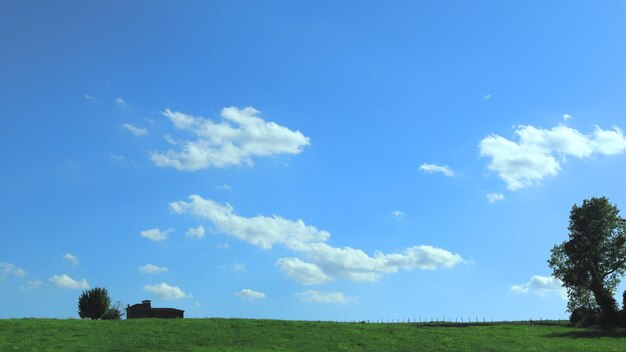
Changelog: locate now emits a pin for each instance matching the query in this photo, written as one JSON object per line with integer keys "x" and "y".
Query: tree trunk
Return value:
{"x": 607, "y": 304}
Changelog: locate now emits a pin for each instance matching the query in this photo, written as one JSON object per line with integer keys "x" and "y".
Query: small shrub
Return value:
{"x": 115, "y": 312}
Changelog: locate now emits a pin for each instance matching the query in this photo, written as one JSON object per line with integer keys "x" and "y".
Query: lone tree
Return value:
{"x": 94, "y": 303}
{"x": 591, "y": 262}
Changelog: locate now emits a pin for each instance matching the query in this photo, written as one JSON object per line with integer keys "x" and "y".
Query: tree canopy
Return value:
{"x": 94, "y": 303}
{"x": 591, "y": 262}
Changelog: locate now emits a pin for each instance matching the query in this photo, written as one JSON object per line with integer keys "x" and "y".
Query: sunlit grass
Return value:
{"x": 277, "y": 335}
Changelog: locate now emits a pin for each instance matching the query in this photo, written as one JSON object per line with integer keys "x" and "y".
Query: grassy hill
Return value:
{"x": 277, "y": 335}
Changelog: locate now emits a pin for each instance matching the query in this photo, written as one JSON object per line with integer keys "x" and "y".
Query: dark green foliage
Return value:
{"x": 93, "y": 303}
{"x": 115, "y": 312}
{"x": 591, "y": 262}
{"x": 584, "y": 316}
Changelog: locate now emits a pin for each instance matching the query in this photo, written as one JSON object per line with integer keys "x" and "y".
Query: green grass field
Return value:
{"x": 277, "y": 335}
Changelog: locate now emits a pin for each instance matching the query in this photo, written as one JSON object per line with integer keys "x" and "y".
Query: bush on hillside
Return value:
{"x": 93, "y": 303}
{"x": 115, "y": 312}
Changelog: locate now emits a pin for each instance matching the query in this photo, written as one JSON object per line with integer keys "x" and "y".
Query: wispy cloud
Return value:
{"x": 152, "y": 269}
{"x": 137, "y": 131}
{"x": 541, "y": 285}
{"x": 67, "y": 282}
{"x": 566, "y": 117}
{"x": 10, "y": 269}
{"x": 236, "y": 267}
{"x": 324, "y": 297}
{"x": 434, "y": 168}
{"x": 487, "y": 97}
{"x": 495, "y": 197}
{"x": 156, "y": 234}
{"x": 121, "y": 102}
{"x": 90, "y": 98}
{"x": 241, "y": 135}
{"x": 71, "y": 258}
{"x": 224, "y": 187}
{"x": 247, "y": 293}
{"x": 324, "y": 262}
{"x": 31, "y": 285}
{"x": 526, "y": 162}
{"x": 398, "y": 214}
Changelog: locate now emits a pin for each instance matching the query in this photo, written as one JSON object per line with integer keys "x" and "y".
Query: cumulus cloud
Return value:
{"x": 301, "y": 272}
{"x": 535, "y": 155}
{"x": 566, "y": 117}
{"x": 137, "y": 131}
{"x": 495, "y": 197}
{"x": 323, "y": 297}
{"x": 433, "y": 168}
{"x": 152, "y": 269}
{"x": 67, "y": 282}
{"x": 196, "y": 232}
{"x": 71, "y": 258}
{"x": 323, "y": 262}
{"x": 31, "y": 285}
{"x": 10, "y": 269}
{"x": 241, "y": 135}
{"x": 165, "y": 291}
{"x": 261, "y": 231}
{"x": 541, "y": 285}
{"x": 247, "y": 293}
{"x": 156, "y": 234}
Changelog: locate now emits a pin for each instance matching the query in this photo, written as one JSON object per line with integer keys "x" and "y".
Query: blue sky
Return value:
{"x": 353, "y": 160}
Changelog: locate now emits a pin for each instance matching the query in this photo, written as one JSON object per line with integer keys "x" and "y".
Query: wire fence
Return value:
{"x": 464, "y": 321}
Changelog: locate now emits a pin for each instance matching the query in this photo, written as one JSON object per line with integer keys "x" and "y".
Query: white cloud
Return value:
{"x": 165, "y": 291}
{"x": 324, "y": 261}
{"x": 237, "y": 267}
{"x": 152, "y": 269}
{"x": 137, "y": 131}
{"x": 301, "y": 272}
{"x": 7, "y": 269}
{"x": 263, "y": 232}
{"x": 432, "y": 168}
{"x": 31, "y": 285}
{"x": 196, "y": 232}
{"x": 495, "y": 197}
{"x": 247, "y": 293}
{"x": 526, "y": 162}
{"x": 541, "y": 285}
{"x": 90, "y": 98}
{"x": 224, "y": 187}
{"x": 323, "y": 297}
{"x": 240, "y": 136}
{"x": 71, "y": 258}
{"x": 566, "y": 117}
{"x": 156, "y": 234}
{"x": 398, "y": 214}
{"x": 67, "y": 282}
{"x": 121, "y": 102}
{"x": 487, "y": 97}
{"x": 10, "y": 269}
